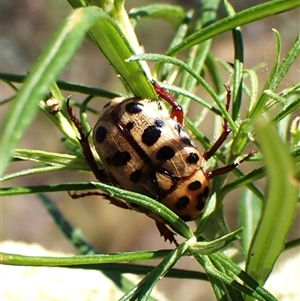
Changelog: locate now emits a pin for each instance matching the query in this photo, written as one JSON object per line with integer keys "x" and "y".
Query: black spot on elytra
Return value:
{"x": 134, "y": 107}
{"x": 185, "y": 218}
{"x": 120, "y": 158}
{"x": 108, "y": 161}
{"x": 182, "y": 203}
{"x": 159, "y": 122}
{"x": 129, "y": 125}
{"x": 165, "y": 153}
{"x": 135, "y": 206}
{"x": 150, "y": 135}
{"x": 200, "y": 202}
{"x": 186, "y": 140}
{"x": 100, "y": 135}
{"x": 194, "y": 185}
{"x": 183, "y": 136}
{"x": 135, "y": 176}
{"x": 106, "y": 105}
{"x": 192, "y": 158}
{"x": 206, "y": 192}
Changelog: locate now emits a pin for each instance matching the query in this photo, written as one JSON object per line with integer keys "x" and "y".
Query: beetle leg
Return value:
{"x": 166, "y": 233}
{"x": 86, "y": 149}
{"x": 112, "y": 199}
{"x": 226, "y": 130}
{"x": 176, "y": 107}
{"x": 225, "y": 169}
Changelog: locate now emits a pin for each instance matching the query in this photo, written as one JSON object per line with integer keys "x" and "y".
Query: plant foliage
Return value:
{"x": 266, "y": 215}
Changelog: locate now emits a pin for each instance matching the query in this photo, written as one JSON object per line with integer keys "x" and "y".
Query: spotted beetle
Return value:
{"x": 145, "y": 149}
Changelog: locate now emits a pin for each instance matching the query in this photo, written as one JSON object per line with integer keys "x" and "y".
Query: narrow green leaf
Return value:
{"x": 115, "y": 37}
{"x": 247, "y": 179}
{"x": 170, "y": 60}
{"x": 196, "y": 59}
{"x": 30, "y": 171}
{"x": 168, "y": 72}
{"x": 240, "y": 140}
{"x": 235, "y": 271}
{"x": 244, "y": 17}
{"x": 109, "y": 262}
{"x": 171, "y": 13}
{"x": 229, "y": 273}
{"x": 292, "y": 244}
{"x": 215, "y": 74}
{"x": 288, "y": 61}
{"x": 271, "y": 83}
{"x": 150, "y": 204}
{"x": 10, "y": 191}
{"x": 68, "y": 86}
{"x": 56, "y": 56}
{"x": 52, "y": 61}
{"x": 80, "y": 243}
{"x": 288, "y": 110}
{"x": 279, "y": 207}
{"x": 237, "y": 89}
{"x": 215, "y": 245}
{"x": 249, "y": 213}
{"x": 253, "y": 88}
{"x": 238, "y": 65}
{"x": 144, "y": 288}
{"x": 295, "y": 131}
{"x": 198, "y": 53}
{"x": 115, "y": 46}
{"x": 64, "y": 160}
{"x": 84, "y": 259}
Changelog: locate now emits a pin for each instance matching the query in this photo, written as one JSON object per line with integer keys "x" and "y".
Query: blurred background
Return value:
{"x": 27, "y": 25}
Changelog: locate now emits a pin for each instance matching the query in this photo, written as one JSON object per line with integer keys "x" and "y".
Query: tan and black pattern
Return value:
{"x": 148, "y": 152}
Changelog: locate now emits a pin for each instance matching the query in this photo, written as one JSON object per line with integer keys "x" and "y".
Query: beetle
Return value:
{"x": 145, "y": 149}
